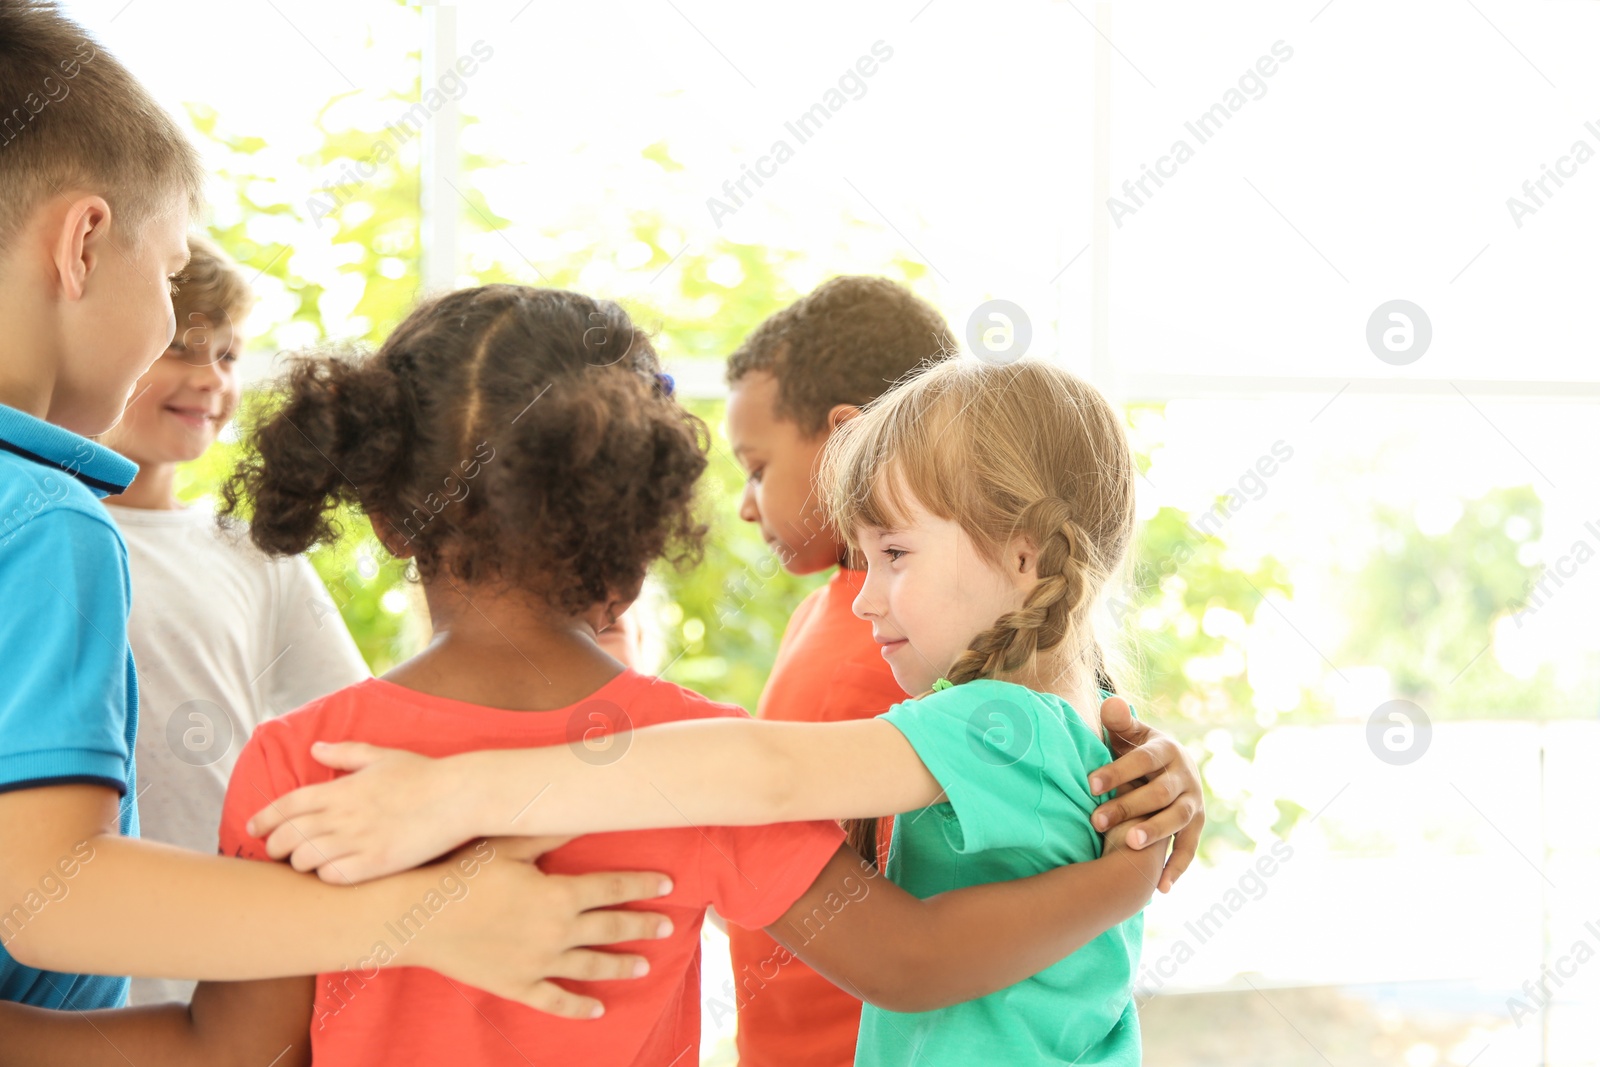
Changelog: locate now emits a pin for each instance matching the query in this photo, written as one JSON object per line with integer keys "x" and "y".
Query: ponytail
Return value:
{"x": 339, "y": 435}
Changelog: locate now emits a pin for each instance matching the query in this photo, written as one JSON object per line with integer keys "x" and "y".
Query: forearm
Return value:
{"x": 226, "y": 1027}
{"x": 702, "y": 773}
{"x": 39, "y": 1037}
{"x": 904, "y": 954}
{"x": 130, "y": 909}
{"x": 979, "y": 940}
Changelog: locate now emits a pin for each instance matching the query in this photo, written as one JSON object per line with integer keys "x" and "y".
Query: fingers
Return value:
{"x": 292, "y": 834}
{"x": 1160, "y": 826}
{"x": 587, "y": 965}
{"x": 611, "y": 927}
{"x": 296, "y": 805}
{"x": 1125, "y": 732}
{"x": 1141, "y": 762}
{"x": 1116, "y": 717}
{"x": 605, "y": 888}
{"x": 553, "y": 1000}
{"x": 347, "y": 755}
{"x": 1155, "y": 795}
{"x": 1184, "y": 847}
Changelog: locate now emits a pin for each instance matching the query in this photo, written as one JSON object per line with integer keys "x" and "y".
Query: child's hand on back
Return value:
{"x": 399, "y": 810}
{"x": 509, "y": 928}
{"x": 1158, "y": 779}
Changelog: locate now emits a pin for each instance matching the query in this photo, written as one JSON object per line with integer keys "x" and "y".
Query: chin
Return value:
{"x": 801, "y": 562}
{"x": 912, "y": 686}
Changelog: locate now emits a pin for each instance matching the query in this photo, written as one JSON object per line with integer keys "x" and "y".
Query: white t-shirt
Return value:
{"x": 224, "y": 637}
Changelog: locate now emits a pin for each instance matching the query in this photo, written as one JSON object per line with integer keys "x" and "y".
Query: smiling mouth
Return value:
{"x": 195, "y": 415}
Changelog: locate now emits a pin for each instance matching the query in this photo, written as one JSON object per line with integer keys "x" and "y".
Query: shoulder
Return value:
{"x": 808, "y": 606}
{"x": 39, "y": 498}
{"x": 286, "y": 739}
{"x": 72, "y": 547}
{"x": 649, "y": 700}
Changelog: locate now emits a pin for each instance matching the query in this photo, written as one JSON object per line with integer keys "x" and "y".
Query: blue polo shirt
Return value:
{"x": 70, "y": 699}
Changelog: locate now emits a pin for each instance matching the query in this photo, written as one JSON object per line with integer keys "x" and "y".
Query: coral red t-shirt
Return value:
{"x": 407, "y": 1015}
{"x": 828, "y": 669}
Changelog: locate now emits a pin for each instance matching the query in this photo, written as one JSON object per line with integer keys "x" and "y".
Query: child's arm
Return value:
{"x": 128, "y": 907}
{"x": 902, "y": 954}
{"x": 228, "y": 1024}
{"x": 405, "y": 808}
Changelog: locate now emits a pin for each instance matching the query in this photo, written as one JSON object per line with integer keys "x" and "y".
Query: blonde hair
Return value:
{"x": 1003, "y": 451}
{"x": 211, "y": 284}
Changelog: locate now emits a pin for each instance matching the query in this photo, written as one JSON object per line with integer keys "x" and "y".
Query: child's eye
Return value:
{"x": 755, "y": 475}
{"x": 894, "y": 554}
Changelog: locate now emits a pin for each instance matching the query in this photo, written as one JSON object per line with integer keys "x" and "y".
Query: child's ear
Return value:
{"x": 392, "y": 540}
{"x": 1023, "y": 557}
{"x": 78, "y": 243}
{"x": 840, "y": 414}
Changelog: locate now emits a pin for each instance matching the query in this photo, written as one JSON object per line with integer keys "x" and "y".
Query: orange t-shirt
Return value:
{"x": 407, "y": 1015}
{"x": 828, "y": 669}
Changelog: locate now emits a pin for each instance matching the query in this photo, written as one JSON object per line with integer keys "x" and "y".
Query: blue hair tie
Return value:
{"x": 667, "y": 384}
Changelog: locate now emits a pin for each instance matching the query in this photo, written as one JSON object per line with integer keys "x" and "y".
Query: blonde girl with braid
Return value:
{"x": 989, "y": 506}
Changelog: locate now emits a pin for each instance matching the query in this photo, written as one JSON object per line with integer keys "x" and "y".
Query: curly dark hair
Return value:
{"x": 846, "y": 342}
{"x": 509, "y": 434}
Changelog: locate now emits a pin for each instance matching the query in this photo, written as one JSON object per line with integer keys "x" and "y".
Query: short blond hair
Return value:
{"x": 211, "y": 284}
{"x": 73, "y": 117}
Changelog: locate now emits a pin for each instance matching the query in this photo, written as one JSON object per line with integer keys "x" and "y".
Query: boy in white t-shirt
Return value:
{"x": 224, "y": 637}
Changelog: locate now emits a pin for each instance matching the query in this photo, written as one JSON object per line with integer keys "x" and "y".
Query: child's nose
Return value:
{"x": 748, "y": 511}
{"x": 208, "y": 374}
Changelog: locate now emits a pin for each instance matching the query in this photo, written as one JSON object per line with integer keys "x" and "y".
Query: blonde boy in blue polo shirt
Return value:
{"x": 99, "y": 186}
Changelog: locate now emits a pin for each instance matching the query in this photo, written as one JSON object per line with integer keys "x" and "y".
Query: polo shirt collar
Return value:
{"x": 103, "y": 471}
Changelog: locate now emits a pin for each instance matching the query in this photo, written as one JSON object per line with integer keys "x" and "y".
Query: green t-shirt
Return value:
{"x": 1015, "y": 766}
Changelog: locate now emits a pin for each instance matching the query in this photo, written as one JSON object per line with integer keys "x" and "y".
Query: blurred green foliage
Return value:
{"x": 1425, "y": 607}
